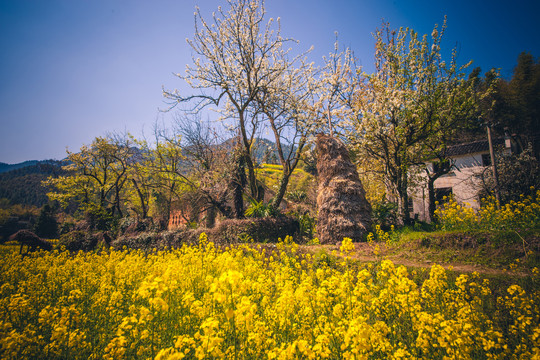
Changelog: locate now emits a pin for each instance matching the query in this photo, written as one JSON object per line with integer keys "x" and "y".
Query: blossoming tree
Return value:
{"x": 241, "y": 66}
{"x": 412, "y": 101}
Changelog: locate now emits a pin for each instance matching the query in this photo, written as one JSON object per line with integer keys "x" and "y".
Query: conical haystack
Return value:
{"x": 343, "y": 210}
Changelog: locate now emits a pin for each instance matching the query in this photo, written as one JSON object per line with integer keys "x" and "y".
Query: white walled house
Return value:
{"x": 469, "y": 161}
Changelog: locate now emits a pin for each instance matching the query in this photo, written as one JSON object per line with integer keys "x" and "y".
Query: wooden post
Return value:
{"x": 494, "y": 166}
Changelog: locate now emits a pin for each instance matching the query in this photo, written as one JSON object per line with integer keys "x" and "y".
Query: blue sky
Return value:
{"x": 71, "y": 70}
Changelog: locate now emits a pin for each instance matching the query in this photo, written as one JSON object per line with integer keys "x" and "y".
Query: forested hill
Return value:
{"x": 21, "y": 183}
{"x": 9, "y": 167}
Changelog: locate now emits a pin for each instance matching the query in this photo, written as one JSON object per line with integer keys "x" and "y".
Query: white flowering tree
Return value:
{"x": 337, "y": 90}
{"x": 288, "y": 108}
{"x": 412, "y": 101}
{"x": 241, "y": 66}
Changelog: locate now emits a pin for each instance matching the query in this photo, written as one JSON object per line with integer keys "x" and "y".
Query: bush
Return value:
{"x": 66, "y": 227}
{"x": 259, "y": 230}
{"x": 129, "y": 225}
{"x": 99, "y": 218}
{"x": 82, "y": 240}
{"x": 518, "y": 175}
{"x": 257, "y": 209}
{"x": 226, "y": 232}
{"x": 307, "y": 224}
{"x": 297, "y": 196}
{"x": 150, "y": 240}
{"x": 46, "y": 225}
{"x": 384, "y": 212}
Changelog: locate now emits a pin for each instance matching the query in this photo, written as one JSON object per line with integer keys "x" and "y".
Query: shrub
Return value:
{"x": 99, "y": 218}
{"x": 150, "y": 240}
{"x": 257, "y": 209}
{"x": 260, "y": 230}
{"x": 46, "y": 225}
{"x": 226, "y": 232}
{"x": 523, "y": 214}
{"x": 307, "y": 224}
{"x": 384, "y": 212}
{"x": 297, "y": 196}
{"x": 66, "y": 227}
{"x": 132, "y": 225}
{"x": 82, "y": 240}
{"x": 518, "y": 175}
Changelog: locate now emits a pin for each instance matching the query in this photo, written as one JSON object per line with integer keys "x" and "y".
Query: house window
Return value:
{"x": 486, "y": 160}
{"x": 410, "y": 204}
{"x": 442, "y": 195}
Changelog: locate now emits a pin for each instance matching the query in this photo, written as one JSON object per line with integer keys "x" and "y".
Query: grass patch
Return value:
{"x": 498, "y": 249}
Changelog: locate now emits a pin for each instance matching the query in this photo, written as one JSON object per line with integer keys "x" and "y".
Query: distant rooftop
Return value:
{"x": 472, "y": 147}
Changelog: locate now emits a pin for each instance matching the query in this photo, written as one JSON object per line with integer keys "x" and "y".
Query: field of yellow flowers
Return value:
{"x": 201, "y": 302}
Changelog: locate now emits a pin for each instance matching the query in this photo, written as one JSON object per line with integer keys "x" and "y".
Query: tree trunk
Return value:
{"x": 144, "y": 208}
{"x": 404, "y": 199}
{"x": 238, "y": 185}
{"x": 282, "y": 188}
{"x": 252, "y": 179}
{"x": 431, "y": 198}
{"x": 210, "y": 217}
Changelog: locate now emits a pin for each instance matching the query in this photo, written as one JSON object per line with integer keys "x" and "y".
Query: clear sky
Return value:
{"x": 71, "y": 70}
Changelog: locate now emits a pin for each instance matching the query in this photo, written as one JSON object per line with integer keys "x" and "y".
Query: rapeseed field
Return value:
{"x": 203, "y": 302}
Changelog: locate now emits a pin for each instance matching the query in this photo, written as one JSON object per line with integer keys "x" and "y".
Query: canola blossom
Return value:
{"x": 202, "y": 302}
{"x": 521, "y": 214}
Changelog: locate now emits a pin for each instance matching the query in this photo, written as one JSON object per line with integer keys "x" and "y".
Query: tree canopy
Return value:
{"x": 408, "y": 109}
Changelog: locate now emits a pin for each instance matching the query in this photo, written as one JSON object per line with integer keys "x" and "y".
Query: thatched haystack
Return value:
{"x": 31, "y": 240}
{"x": 343, "y": 210}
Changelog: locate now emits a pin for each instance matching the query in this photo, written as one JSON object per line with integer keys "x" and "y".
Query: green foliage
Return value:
{"x": 66, "y": 227}
{"x": 518, "y": 100}
{"x": 99, "y": 218}
{"x": 98, "y": 174}
{"x": 307, "y": 226}
{"x": 229, "y": 231}
{"x": 23, "y": 185}
{"x": 297, "y": 196}
{"x": 267, "y": 229}
{"x": 15, "y": 217}
{"x": 46, "y": 225}
{"x": 410, "y": 106}
{"x": 384, "y": 212}
{"x": 519, "y": 174}
{"x": 80, "y": 240}
{"x": 300, "y": 181}
{"x": 258, "y": 209}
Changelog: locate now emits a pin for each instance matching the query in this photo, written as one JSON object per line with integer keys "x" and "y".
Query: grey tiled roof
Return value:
{"x": 472, "y": 147}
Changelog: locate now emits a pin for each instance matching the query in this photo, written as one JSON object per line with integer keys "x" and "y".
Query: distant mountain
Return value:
{"x": 21, "y": 183}
{"x": 8, "y": 167}
{"x": 264, "y": 150}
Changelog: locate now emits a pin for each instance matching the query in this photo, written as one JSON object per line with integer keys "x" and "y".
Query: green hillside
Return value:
{"x": 300, "y": 182}
{"x": 22, "y": 185}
